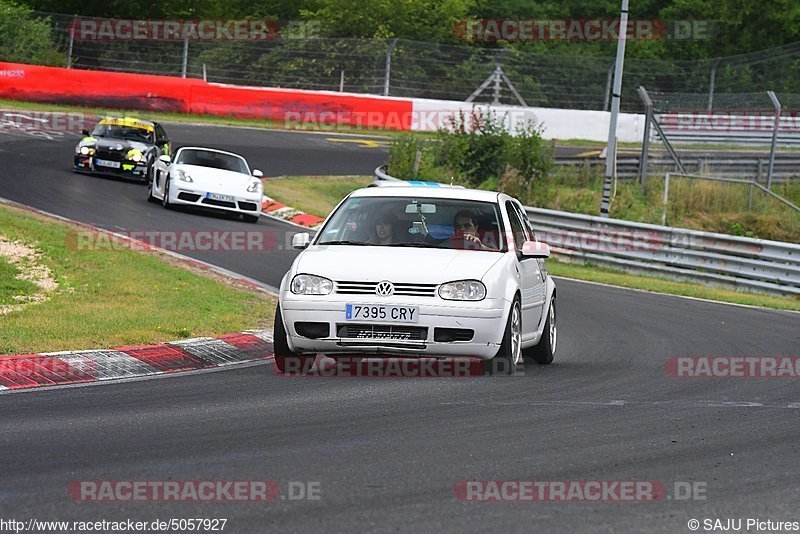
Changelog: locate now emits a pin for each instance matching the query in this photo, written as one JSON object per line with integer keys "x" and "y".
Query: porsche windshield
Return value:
{"x": 415, "y": 222}
{"x": 215, "y": 160}
{"x": 129, "y": 133}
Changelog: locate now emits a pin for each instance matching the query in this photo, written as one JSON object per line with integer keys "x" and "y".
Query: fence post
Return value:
{"x": 71, "y": 40}
{"x": 341, "y": 81}
{"x": 666, "y": 196}
{"x": 777, "y": 104}
{"x": 648, "y": 117}
{"x": 387, "y": 77}
{"x": 712, "y": 82}
{"x": 608, "y": 87}
{"x": 185, "y": 62}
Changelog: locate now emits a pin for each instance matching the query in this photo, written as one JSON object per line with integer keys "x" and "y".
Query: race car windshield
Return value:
{"x": 129, "y": 133}
{"x": 416, "y": 222}
{"x": 215, "y": 160}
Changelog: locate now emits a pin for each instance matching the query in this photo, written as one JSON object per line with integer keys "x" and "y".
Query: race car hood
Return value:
{"x": 217, "y": 180}
{"x": 401, "y": 265}
{"x": 115, "y": 145}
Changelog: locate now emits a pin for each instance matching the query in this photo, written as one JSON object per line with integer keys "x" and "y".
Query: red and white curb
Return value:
{"x": 272, "y": 208}
{"x": 63, "y": 368}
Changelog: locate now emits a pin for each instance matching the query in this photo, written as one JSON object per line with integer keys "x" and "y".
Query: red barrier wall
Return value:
{"x": 186, "y": 95}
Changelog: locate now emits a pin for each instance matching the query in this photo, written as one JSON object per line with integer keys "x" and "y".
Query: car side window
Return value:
{"x": 525, "y": 222}
{"x": 517, "y": 229}
{"x": 161, "y": 135}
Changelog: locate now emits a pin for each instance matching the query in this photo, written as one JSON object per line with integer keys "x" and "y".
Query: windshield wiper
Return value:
{"x": 344, "y": 242}
{"x": 415, "y": 244}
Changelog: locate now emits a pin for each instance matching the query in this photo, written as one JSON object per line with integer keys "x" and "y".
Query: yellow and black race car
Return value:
{"x": 122, "y": 146}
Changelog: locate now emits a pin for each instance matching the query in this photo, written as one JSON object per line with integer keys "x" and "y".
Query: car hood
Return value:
{"x": 217, "y": 180}
{"x": 123, "y": 145}
{"x": 399, "y": 265}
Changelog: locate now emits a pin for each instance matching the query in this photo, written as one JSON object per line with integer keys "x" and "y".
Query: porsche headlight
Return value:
{"x": 86, "y": 150}
{"x": 183, "y": 176}
{"x": 308, "y": 284}
{"x": 135, "y": 155}
{"x": 254, "y": 187}
{"x": 463, "y": 290}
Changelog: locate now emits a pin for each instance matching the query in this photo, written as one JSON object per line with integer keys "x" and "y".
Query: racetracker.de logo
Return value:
{"x": 192, "y": 491}
{"x": 559, "y": 490}
{"x": 173, "y": 240}
{"x": 173, "y": 30}
{"x": 577, "y": 30}
{"x": 733, "y": 366}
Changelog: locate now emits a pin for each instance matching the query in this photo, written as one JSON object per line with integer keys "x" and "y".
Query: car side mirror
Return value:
{"x": 86, "y": 132}
{"x": 301, "y": 240}
{"x": 535, "y": 249}
{"x": 257, "y": 173}
{"x": 164, "y": 159}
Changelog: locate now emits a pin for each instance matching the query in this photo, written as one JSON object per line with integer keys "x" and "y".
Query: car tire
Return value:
{"x": 165, "y": 201}
{"x": 150, "y": 197}
{"x": 252, "y": 219}
{"x": 544, "y": 352}
{"x": 285, "y": 359}
{"x": 509, "y": 357}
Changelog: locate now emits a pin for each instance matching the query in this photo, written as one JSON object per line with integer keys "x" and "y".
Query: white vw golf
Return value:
{"x": 419, "y": 272}
{"x": 208, "y": 178}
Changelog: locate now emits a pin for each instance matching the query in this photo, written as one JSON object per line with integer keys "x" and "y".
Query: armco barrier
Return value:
{"x": 718, "y": 259}
{"x": 324, "y": 109}
{"x": 185, "y": 95}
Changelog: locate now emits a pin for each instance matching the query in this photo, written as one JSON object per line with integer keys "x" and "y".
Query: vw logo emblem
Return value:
{"x": 384, "y": 289}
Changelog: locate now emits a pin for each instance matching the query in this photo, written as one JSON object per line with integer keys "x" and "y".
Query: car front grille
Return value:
{"x": 220, "y": 203}
{"x": 382, "y": 331}
{"x": 400, "y": 289}
{"x": 110, "y": 155}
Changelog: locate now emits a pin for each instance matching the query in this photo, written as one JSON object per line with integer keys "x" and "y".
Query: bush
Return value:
{"x": 475, "y": 150}
{"x": 24, "y": 39}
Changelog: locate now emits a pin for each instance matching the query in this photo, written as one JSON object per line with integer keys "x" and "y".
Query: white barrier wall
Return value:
{"x": 430, "y": 115}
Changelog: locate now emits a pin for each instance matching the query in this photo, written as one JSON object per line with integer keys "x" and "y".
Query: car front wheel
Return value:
{"x": 509, "y": 356}
{"x": 165, "y": 200}
{"x": 287, "y": 361}
{"x": 544, "y": 352}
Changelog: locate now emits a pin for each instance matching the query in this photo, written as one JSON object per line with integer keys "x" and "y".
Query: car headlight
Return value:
{"x": 463, "y": 290}
{"x": 86, "y": 150}
{"x": 135, "y": 155}
{"x": 254, "y": 187}
{"x": 308, "y": 284}
{"x": 183, "y": 176}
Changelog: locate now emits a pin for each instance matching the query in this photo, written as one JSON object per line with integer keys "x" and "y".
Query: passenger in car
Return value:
{"x": 385, "y": 229}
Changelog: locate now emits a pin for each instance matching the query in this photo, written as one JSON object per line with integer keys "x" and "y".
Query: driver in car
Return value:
{"x": 466, "y": 230}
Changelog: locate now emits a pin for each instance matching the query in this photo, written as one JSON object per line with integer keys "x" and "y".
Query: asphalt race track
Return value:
{"x": 387, "y": 453}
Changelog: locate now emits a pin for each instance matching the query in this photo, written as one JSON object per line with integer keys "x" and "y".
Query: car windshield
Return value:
{"x": 129, "y": 133}
{"x": 415, "y": 222}
{"x": 215, "y": 160}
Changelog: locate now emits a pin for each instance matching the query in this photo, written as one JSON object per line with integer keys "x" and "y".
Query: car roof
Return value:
{"x": 429, "y": 190}
{"x": 211, "y": 150}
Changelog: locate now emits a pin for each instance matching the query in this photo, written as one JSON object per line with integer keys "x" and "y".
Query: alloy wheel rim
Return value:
{"x": 516, "y": 335}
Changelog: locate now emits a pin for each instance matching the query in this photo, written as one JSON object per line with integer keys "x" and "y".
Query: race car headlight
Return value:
{"x": 135, "y": 155}
{"x": 308, "y": 284}
{"x": 183, "y": 176}
{"x": 86, "y": 150}
{"x": 463, "y": 290}
{"x": 254, "y": 187}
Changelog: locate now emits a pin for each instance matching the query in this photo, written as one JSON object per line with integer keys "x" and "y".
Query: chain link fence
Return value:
{"x": 416, "y": 69}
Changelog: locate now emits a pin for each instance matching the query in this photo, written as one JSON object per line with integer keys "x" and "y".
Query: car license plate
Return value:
{"x": 106, "y": 163}
{"x": 380, "y": 313}
{"x": 223, "y": 198}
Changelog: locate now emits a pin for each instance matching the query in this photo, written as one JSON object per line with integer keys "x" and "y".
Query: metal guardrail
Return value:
{"x": 785, "y": 169}
{"x": 716, "y": 259}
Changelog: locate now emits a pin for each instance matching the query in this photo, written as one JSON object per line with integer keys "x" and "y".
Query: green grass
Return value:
{"x": 10, "y": 286}
{"x": 696, "y": 204}
{"x": 319, "y": 194}
{"x": 613, "y": 277}
{"x": 316, "y": 195}
{"x": 107, "y": 299}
